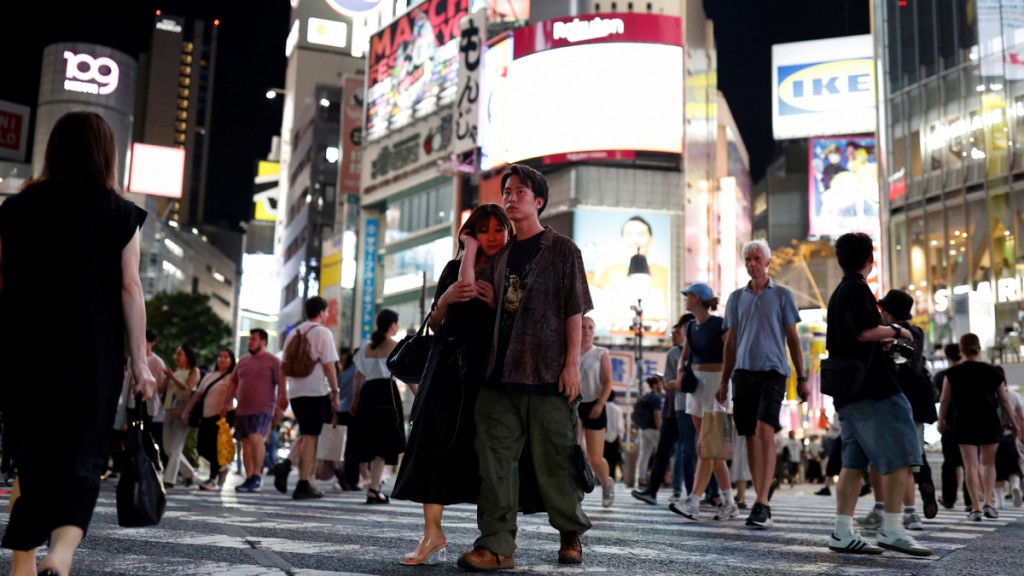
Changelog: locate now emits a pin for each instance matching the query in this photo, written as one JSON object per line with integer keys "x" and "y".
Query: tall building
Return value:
{"x": 952, "y": 138}
{"x": 615, "y": 102}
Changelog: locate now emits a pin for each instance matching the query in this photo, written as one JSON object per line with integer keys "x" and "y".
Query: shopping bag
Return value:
{"x": 716, "y": 436}
{"x": 332, "y": 441}
{"x": 225, "y": 443}
{"x": 141, "y": 497}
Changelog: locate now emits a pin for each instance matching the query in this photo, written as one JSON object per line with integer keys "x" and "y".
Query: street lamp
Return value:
{"x": 273, "y": 92}
{"x": 639, "y": 279}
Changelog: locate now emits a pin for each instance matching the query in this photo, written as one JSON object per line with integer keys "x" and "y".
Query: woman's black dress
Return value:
{"x": 440, "y": 465}
{"x": 973, "y": 386}
{"x": 58, "y": 421}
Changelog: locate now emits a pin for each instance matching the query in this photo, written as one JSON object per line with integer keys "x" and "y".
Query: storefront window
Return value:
{"x": 978, "y": 241}
{"x": 933, "y": 113}
{"x": 917, "y": 122}
{"x": 957, "y": 252}
{"x": 418, "y": 212}
{"x": 898, "y": 161}
{"x": 404, "y": 270}
{"x": 952, "y": 114}
{"x": 938, "y": 254}
{"x": 918, "y": 252}
{"x": 1002, "y": 241}
{"x": 898, "y": 251}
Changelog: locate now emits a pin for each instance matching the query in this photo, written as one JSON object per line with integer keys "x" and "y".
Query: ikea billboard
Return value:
{"x": 823, "y": 88}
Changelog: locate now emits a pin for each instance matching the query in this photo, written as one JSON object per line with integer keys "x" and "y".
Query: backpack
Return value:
{"x": 298, "y": 359}
{"x": 642, "y": 415}
{"x": 916, "y": 381}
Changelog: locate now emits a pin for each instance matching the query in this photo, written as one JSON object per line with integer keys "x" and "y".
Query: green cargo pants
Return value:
{"x": 504, "y": 421}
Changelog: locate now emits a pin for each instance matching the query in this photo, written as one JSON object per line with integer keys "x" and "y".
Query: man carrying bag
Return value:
{"x": 877, "y": 424}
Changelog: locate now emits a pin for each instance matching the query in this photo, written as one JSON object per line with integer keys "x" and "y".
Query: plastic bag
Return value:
{"x": 225, "y": 443}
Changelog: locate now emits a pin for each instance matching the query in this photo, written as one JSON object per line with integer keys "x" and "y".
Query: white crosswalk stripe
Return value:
{"x": 269, "y": 534}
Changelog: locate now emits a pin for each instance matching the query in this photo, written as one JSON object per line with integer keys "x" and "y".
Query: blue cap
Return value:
{"x": 702, "y": 290}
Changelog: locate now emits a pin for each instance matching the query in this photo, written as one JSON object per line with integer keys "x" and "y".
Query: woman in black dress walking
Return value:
{"x": 974, "y": 388}
{"x": 59, "y": 422}
{"x": 440, "y": 465}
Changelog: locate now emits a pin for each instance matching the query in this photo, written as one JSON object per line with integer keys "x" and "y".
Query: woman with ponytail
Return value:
{"x": 379, "y": 431}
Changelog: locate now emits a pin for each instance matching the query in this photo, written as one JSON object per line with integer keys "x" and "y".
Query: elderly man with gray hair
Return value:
{"x": 760, "y": 323}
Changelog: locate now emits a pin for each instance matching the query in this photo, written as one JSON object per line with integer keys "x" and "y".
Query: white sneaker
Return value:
{"x": 900, "y": 541}
{"x": 852, "y": 544}
{"x": 911, "y": 521}
{"x": 1017, "y": 501}
{"x": 870, "y": 523}
{"x": 608, "y": 495}
{"x": 727, "y": 511}
{"x": 687, "y": 508}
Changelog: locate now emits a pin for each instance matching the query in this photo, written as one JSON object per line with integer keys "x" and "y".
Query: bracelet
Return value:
{"x": 801, "y": 378}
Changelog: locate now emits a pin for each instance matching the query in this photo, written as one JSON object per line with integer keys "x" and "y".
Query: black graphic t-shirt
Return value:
{"x": 518, "y": 272}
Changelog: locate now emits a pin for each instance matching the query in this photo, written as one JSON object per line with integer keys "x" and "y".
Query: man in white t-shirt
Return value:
{"x": 313, "y": 398}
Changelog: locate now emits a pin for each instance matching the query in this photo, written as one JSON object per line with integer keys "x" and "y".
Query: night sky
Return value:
{"x": 251, "y": 59}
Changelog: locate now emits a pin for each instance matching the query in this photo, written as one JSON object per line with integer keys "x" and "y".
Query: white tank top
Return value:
{"x": 590, "y": 373}
{"x": 371, "y": 368}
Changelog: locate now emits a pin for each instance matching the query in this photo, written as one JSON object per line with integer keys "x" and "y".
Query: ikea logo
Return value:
{"x": 837, "y": 86}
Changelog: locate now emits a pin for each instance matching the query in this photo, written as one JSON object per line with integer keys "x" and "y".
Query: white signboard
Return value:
{"x": 467, "y": 99}
{"x": 823, "y": 88}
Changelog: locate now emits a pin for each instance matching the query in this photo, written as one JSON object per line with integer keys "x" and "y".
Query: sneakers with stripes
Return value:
{"x": 687, "y": 507}
{"x": 870, "y": 523}
{"x": 852, "y": 544}
{"x": 911, "y": 521}
{"x": 760, "y": 516}
{"x": 727, "y": 511}
{"x": 901, "y": 542}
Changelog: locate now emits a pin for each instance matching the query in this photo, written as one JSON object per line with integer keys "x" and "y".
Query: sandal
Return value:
{"x": 376, "y": 497}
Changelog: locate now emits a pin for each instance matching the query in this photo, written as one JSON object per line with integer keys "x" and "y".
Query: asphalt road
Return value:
{"x": 268, "y": 533}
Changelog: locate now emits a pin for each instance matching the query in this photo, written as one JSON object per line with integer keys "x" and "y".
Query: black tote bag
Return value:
{"x": 141, "y": 497}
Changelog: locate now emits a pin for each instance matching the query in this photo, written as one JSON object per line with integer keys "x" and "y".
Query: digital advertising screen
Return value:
{"x": 619, "y": 81}
{"x": 413, "y": 65}
{"x": 843, "y": 186}
{"x": 608, "y": 240}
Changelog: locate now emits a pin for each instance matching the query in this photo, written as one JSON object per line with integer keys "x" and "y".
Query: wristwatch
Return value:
{"x": 897, "y": 328}
{"x": 801, "y": 378}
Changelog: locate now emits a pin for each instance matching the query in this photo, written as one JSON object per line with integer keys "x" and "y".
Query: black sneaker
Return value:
{"x": 303, "y": 491}
{"x": 760, "y": 516}
{"x": 931, "y": 506}
{"x": 644, "y": 497}
{"x": 280, "y": 472}
{"x": 824, "y": 492}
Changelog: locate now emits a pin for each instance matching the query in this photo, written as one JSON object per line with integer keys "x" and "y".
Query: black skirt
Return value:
{"x": 440, "y": 465}
{"x": 379, "y": 430}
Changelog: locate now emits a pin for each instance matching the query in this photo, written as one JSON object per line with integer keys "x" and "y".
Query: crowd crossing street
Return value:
{"x": 270, "y": 534}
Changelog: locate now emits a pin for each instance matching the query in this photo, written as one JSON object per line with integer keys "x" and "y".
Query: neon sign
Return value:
{"x": 90, "y": 75}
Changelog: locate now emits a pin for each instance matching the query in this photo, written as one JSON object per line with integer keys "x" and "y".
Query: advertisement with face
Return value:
{"x": 413, "y": 65}
{"x": 606, "y": 258}
{"x": 843, "y": 186}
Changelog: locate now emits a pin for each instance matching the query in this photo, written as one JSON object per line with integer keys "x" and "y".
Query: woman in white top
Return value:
{"x": 211, "y": 392}
{"x": 595, "y": 387}
{"x": 379, "y": 431}
{"x": 180, "y": 384}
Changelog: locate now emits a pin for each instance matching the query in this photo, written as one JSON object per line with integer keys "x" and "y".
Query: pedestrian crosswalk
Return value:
{"x": 269, "y": 534}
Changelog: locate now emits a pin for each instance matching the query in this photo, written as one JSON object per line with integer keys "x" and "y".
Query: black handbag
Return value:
{"x": 141, "y": 497}
{"x": 407, "y": 361}
{"x": 582, "y": 473}
{"x": 688, "y": 383}
{"x": 844, "y": 379}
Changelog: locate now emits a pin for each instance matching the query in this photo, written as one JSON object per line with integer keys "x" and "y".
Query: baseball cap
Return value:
{"x": 702, "y": 290}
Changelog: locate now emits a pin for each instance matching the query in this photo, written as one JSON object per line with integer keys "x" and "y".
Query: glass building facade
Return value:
{"x": 951, "y": 122}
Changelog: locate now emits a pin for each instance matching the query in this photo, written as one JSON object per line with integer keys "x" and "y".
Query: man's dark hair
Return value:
{"x": 314, "y": 306}
{"x": 853, "y": 250}
{"x": 259, "y": 333}
{"x": 150, "y": 335}
{"x": 952, "y": 351}
{"x": 530, "y": 178}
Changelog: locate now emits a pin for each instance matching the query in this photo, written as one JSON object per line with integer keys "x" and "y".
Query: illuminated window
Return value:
{"x": 180, "y": 126}
{"x": 183, "y": 92}
{"x": 182, "y": 103}
{"x": 182, "y": 115}
{"x": 187, "y": 70}
{"x": 186, "y": 58}
{"x": 179, "y": 138}
{"x": 184, "y": 81}
{"x": 187, "y": 47}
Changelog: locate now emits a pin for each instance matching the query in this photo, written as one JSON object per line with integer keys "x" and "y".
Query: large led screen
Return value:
{"x": 608, "y": 240}
{"x": 413, "y": 65}
{"x": 611, "y": 97}
{"x": 491, "y": 129}
{"x": 157, "y": 170}
{"x": 843, "y": 187}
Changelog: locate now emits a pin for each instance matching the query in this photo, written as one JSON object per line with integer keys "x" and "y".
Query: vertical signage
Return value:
{"x": 471, "y": 46}
{"x": 351, "y": 136}
{"x": 369, "y": 278}
{"x": 13, "y": 131}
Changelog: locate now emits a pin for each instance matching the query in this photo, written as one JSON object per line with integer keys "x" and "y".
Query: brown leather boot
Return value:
{"x": 483, "y": 560}
{"x": 571, "y": 551}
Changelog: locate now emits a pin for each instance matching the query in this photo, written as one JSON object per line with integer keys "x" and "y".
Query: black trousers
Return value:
{"x": 951, "y": 460}
{"x": 613, "y": 455}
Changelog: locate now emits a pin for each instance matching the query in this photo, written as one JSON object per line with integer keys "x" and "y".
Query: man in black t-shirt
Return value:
{"x": 532, "y": 383}
{"x": 877, "y": 426}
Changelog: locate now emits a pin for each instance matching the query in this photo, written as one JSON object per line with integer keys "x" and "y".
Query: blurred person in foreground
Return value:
{"x": 877, "y": 425}
{"x": 59, "y": 425}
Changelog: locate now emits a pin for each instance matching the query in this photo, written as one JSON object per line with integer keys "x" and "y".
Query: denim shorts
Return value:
{"x": 880, "y": 433}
